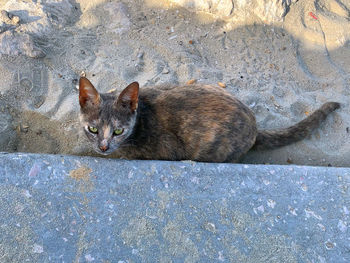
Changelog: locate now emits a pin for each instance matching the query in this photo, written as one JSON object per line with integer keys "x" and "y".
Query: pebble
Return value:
{"x": 191, "y": 81}
{"x": 222, "y": 85}
{"x": 24, "y": 128}
{"x": 9, "y": 18}
{"x": 165, "y": 71}
{"x": 329, "y": 245}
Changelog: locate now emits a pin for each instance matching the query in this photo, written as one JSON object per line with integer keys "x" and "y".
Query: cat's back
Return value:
{"x": 208, "y": 120}
{"x": 191, "y": 96}
{"x": 195, "y": 101}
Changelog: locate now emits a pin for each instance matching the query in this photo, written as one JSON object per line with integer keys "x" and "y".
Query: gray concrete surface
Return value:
{"x": 57, "y": 208}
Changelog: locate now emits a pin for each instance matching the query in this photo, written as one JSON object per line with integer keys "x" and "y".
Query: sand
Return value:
{"x": 282, "y": 65}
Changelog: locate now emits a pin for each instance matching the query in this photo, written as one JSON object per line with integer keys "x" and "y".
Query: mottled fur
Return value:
{"x": 200, "y": 123}
{"x": 276, "y": 138}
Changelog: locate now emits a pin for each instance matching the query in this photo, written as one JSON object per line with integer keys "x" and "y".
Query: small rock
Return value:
{"x": 15, "y": 20}
{"x": 24, "y": 128}
{"x": 191, "y": 81}
{"x": 111, "y": 90}
{"x": 329, "y": 245}
{"x": 140, "y": 55}
{"x": 304, "y": 187}
{"x": 210, "y": 227}
{"x": 165, "y": 70}
{"x": 222, "y": 85}
{"x": 38, "y": 249}
{"x": 260, "y": 209}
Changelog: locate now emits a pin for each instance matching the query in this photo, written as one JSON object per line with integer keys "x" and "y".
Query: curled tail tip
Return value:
{"x": 330, "y": 106}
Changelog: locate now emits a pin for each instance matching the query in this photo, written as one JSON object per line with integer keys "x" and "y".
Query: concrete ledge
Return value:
{"x": 64, "y": 209}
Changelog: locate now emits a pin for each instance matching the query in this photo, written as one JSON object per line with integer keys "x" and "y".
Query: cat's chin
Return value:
{"x": 105, "y": 153}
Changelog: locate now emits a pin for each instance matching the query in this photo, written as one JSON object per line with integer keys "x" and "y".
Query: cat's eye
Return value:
{"x": 92, "y": 129}
{"x": 118, "y": 131}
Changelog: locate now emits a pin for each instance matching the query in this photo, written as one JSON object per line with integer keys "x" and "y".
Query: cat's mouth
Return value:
{"x": 107, "y": 152}
{"x": 103, "y": 153}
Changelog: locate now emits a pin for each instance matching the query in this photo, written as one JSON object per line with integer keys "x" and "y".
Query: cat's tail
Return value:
{"x": 269, "y": 139}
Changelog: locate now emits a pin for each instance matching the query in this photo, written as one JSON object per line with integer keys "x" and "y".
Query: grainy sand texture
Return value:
{"x": 283, "y": 58}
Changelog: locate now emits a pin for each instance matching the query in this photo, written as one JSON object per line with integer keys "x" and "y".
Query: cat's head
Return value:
{"x": 108, "y": 119}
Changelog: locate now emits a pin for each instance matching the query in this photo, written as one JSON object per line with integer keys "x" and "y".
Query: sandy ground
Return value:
{"x": 281, "y": 70}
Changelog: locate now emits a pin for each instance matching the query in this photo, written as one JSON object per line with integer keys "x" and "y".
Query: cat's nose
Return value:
{"x": 104, "y": 148}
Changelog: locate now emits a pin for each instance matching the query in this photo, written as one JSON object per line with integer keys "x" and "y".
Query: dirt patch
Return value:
{"x": 39, "y": 133}
{"x": 82, "y": 173}
{"x": 82, "y": 179}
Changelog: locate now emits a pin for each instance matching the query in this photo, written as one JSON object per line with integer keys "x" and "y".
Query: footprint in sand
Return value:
{"x": 323, "y": 29}
{"x": 334, "y": 19}
{"x": 30, "y": 81}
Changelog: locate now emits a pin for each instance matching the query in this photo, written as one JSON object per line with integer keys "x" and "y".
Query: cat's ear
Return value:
{"x": 129, "y": 97}
{"x": 88, "y": 95}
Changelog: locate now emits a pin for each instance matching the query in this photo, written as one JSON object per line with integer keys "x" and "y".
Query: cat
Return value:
{"x": 199, "y": 123}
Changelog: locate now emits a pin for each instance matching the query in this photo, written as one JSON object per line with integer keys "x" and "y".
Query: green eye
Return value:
{"x": 92, "y": 129}
{"x": 118, "y": 131}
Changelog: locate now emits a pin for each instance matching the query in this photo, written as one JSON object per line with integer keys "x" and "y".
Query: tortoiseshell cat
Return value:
{"x": 200, "y": 123}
